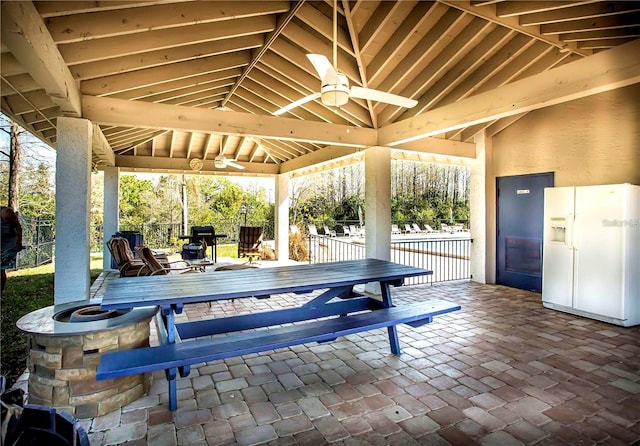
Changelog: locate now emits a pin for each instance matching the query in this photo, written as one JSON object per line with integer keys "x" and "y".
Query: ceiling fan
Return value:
{"x": 334, "y": 89}
{"x": 220, "y": 162}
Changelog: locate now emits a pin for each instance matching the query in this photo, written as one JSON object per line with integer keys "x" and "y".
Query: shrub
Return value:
{"x": 298, "y": 247}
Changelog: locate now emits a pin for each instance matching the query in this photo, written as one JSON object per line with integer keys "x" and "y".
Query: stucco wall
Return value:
{"x": 594, "y": 140}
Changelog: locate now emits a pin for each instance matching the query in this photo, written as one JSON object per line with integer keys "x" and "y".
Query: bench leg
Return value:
{"x": 173, "y": 393}
{"x": 394, "y": 343}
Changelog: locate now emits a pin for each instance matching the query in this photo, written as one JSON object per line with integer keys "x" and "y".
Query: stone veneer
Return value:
{"x": 62, "y": 370}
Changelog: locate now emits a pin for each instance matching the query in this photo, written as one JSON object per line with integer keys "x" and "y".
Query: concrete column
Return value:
{"x": 483, "y": 212}
{"x": 111, "y": 210}
{"x": 281, "y": 229}
{"x": 73, "y": 206}
{"x": 377, "y": 190}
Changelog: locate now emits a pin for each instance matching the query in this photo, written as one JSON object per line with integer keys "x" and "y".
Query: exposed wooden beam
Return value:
{"x": 608, "y": 70}
{"x": 101, "y": 150}
{"x": 108, "y": 111}
{"x": 27, "y": 37}
{"x": 154, "y": 164}
{"x": 331, "y": 153}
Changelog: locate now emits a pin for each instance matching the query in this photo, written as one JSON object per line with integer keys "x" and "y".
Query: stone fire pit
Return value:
{"x": 66, "y": 342}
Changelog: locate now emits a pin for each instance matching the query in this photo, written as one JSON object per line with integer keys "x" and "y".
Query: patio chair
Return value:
{"x": 408, "y": 229}
{"x": 395, "y": 230}
{"x": 428, "y": 229}
{"x": 293, "y": 229}
{"x": 354, "y": 231}
{"x": 156, "y": 268}
{"x": 250, "y": 242}
{"x": 328, "y": 232}
{"x": 312, "y": 230}
{"x": 127, "y": 263}
{"x": 416, "y": 228}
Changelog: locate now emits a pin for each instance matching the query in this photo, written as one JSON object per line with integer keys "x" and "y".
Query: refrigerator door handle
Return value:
{"x": 575, "y": 236}
{"x": 568, "y": 240}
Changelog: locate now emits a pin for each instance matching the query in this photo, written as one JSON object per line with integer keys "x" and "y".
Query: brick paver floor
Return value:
{"x": 502, "y": 371}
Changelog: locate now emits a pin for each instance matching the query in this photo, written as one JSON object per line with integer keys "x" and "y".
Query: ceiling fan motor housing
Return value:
{"x": 335, "y": 94}
{"x": 219, "y": 162}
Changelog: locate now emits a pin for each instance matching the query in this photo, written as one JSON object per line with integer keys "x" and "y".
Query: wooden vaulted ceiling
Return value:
{"x": 167, "y": 81}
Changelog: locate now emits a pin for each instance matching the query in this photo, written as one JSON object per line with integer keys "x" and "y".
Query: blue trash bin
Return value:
{"x": 44, "y": 425}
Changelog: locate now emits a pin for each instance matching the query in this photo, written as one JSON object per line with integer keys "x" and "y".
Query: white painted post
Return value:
{"x": 377, "y": 189}
{"x": 483, "y": 211}
{"x": 111, "y": 214}
{"x": 73, "y": 206}
{"x": 281, "y": 229}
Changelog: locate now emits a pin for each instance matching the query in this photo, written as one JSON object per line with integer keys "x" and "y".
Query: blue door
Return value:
{"x": 520, "y": 222}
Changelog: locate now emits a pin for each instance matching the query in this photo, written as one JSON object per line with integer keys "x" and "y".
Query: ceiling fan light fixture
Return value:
{"x": 219, "y": 162}
{"x": 335, "y": 93}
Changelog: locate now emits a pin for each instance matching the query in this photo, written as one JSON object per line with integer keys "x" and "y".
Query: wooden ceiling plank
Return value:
{"x": 436, "y": 38}
{"x": 190, "y": 92}
{"x": 73, "y": 28}
{"x": 594, "y": 10}
{"x": 173, "y": 88}
{"x": 611, "y": 22}
{"x": 488, "y": 12}
{"x": 108, "y": 67}
{"x": 156, "y": 40}
{"x": 465, "y": 68}
{"x": 375, "y": 24}
{"x": 517, "y": 8}
{"x": 22, "y": 83}
{"x": 611, "y": 69}
{"x": 633, "y": 31}
{"x": 25, "y": 34}
{"x": 315, "y": 19}
{"x": 438, "y": 67}
{"x": 150, "y": 76}
{"x": 268, "y": 41}
{"x": 108, "y": 111}
{"x": 64, "y": 8}
{"x": 198, "y": 98}
{"x": 603, "y": 43}
{"x": 412, "y": 24}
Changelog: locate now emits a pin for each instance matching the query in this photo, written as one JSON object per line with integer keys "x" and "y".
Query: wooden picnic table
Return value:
{"x": 337, "y": 311}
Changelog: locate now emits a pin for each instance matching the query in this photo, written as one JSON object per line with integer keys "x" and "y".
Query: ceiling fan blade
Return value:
{"x": 297, "y": 103}
{"x": 326, "y": 71}
{"x": 233, "y": 164}
{"x": 381, "y": 96}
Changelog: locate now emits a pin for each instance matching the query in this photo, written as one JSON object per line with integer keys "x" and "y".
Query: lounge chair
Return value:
{"x": 428, "y": 229}
{"x": 156, "y": 268}
{"x": 294, "y": 229}
{"x": 408, "y": 229}
{"x": 312, "y": 230}
{"x": 126, "y": 262}
{"x": 395, "y": 230}
{"x": 328, "y": 232}
{"x": 354, "y": 231}
{"x": 250, "y": 242}
{"x": 416, "y": 228}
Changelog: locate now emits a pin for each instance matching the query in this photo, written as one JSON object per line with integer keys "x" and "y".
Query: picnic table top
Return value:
{"x": 131, "y": 292}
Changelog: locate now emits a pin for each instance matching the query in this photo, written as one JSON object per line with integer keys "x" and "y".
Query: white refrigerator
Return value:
{"x": 591, "y": 245}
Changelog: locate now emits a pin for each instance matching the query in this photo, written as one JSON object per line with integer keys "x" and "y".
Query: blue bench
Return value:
{"x": 183, "y": 353}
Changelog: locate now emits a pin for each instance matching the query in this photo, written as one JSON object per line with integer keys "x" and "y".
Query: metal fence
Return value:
{"x": 448, "y": 258}
{"x": 167, "y": 235}
{"x": 38, "y": 236}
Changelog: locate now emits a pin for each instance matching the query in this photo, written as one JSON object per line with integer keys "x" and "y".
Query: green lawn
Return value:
{"x": 27, "y": 290}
